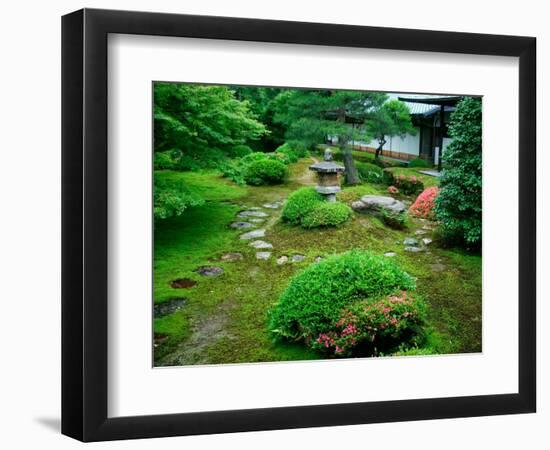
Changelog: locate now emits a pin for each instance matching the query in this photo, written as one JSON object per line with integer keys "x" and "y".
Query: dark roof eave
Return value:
{"x": 446, "y": 101}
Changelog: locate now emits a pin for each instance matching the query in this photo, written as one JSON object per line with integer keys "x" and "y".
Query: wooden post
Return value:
{"x": 441, "y": 125}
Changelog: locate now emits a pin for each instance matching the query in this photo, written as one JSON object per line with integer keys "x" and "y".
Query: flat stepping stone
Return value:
{"x": 410, "y": 242}
{"x": 263, "y": 255}
{"x": 413, "y": 249}
{"x": 260, "y": 244}
{"x": 390, "y": 254}
{"x": 168, "y": 307}
{"x": 438, "y": 267}
{"x": 298, "y": 258}
{"x": 253, "y": 234}
{"x": 230, "y": 257}
{"x": 271, "y": 205}
{"x": 282, "y": 260}
{"x": 252, "y": 213}
{"x": 182, "y": 283}
{"x": 256, "y": 220}
{"x": 209, "y": 271}
{"x": 318, "y": 259}
{"x": 242, "y": 225}
{"x": 427, "y": 241}
{"x": 420, "y": 232}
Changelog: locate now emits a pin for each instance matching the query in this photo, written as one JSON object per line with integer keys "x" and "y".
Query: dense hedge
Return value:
{"x": 458, "y": 205}
{"x": 418, "y": 162}
{"x": 357, "y": 297}
{"x": 265, "y": 171}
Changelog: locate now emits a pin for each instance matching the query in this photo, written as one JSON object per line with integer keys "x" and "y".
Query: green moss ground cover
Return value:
{"x": 224, "y": 319}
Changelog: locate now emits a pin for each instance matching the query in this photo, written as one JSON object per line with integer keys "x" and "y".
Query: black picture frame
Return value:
{"x": 84, "y": 224}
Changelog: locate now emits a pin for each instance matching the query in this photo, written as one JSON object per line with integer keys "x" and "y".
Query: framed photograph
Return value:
{"x": 273, "y": 224}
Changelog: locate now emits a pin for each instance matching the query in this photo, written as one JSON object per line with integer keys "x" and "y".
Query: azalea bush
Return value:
{"x": 391, "y": 322}
{"x": 408, "y": 184}
{"x": 321, "y": 296}
{"x": 393, "y": 190}
{"x": 424, "y": 205}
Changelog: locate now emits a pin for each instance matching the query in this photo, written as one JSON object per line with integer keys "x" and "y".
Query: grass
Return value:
{"x": 224, "y": 318}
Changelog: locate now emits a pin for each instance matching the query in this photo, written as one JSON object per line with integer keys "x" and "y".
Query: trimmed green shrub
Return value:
{"x": 234, "y": 170}
{"x": 315, "y": 299}
{"x": 300, "y": 203}
{"x": 288, "y": 151}
{"x": 171, "y": 197}
{"x": 369, "y": 173}
{"x": 418, "y": 162}
{"x": 163, "y": 161}
{"x": 265, "y": 171}
{"x": 327, "y": 214}
{"x": 239, "y": 151}
{"x": 299, "y": 148}
{"x": 255, "y": 156}
{"x": 458, "y": 205}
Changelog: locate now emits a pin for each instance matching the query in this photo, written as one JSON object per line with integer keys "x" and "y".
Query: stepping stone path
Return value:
{"x": 242, "y": 225}
{"x": 209, "y": 271}
{"x": 426, "y": 241}
{"x": 420, "y": 232}
{"x": 271, "y": 205}
{"x": 390, "y": 254}
{"x": 410, "y": 241}
{"x": 230, "y": 257}
{"x": 255, "y": 220}
{"x": 182, "y": 283}
{"x": 414, "y": 249}
{"x": 282, "y": 260}
{"x": 252, "y": 213}
{"x": 298, "y": 258}
{"x": 438, "y": 267}
{"x": 169, "y": 306}
{"x": 263, "y": 255}
{"x": 253, "y": 234}
{"x": 260, "y": 244}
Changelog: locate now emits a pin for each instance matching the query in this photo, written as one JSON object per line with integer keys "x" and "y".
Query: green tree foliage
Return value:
{"x": 392, "y": 119}
{"x": 458, "y": 205}
{"x": 310, "y": 115}
{"x": 171, "y": 196}
{"x": 196, "y": 119}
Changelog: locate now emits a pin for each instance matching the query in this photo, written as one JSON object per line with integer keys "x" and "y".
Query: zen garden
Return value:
{"x": 303, "y": 224}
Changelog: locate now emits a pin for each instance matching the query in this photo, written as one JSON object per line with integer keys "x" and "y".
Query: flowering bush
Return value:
{"x": 393, "y": 190}
{"x": 425, "y": 203}
{"x": 315, "y": 298}
{"x": 392, "y": 322}
{"x": 409, "y": 185}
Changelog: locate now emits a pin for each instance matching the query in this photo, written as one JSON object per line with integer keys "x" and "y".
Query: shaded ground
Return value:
{"x": 224, "y": 317}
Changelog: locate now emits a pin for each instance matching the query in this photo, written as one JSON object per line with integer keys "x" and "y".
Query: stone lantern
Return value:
{"x": 328, "y": 173}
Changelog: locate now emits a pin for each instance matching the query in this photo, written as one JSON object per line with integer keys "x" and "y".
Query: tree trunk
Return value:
{"x": 381, "y": 143}
{"x": 352, "y": 177}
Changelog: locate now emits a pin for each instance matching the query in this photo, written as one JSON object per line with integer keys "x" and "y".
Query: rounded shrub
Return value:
{"x": 288, "y": 151}
{"x": 327, "y": 214}
{"x": 265, "y": 171}
{"x": 424, "y": 205}
{"x": 239, "y": 151}
{"x": 255, "y": 156}
{"x": 418, "y": 162}
{"x": 300, "y": 203}
{"x": 369, "y": 173}
{"x": 317, "y": 298}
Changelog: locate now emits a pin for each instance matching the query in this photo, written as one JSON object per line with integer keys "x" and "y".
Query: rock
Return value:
{"x": 263, "y": 255}
{"x": 298, "y": 258}
{"x": 241, "y": 225}
{"x": 252, "y": 213}
{"x": 414, "y": 249}
{"x": 260, "y": 244}
{"x": 426, "y": 241}
{"x": 282, "y": 260}
{"x": 169, "y": 306}
{"x": 375, "y": 204}
{"x": 256, "y": 220}
{"x": 182, "y": 283}
{"x": 230, "y": 257}
{"x": 410, "y": 241}
{"x": 390, "y": 254}
{"x": 438, "y": 267}
{"x": 420, "y": 232}
{"x": 318, "y": 258}
{"x": 253, "y": 234}
{"x": 209, "y": 271}
{"x": 271, "y": 205}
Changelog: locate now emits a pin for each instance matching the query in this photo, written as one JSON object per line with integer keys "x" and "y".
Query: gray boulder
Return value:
{"x": 375, "y": 204}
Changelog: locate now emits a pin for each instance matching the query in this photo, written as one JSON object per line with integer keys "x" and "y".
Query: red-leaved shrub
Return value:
{"x": 424, "y": 204}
